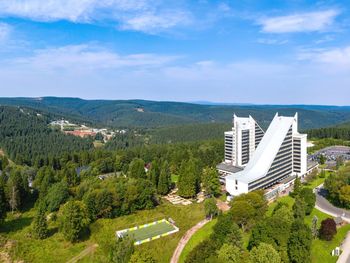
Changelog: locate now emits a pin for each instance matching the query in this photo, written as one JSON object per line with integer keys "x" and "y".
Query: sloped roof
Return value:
{"x": 261, "y": 161}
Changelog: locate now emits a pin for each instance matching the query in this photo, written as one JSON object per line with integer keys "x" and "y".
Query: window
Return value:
{"x": 236, "y": 181}
{"x": 236, "y": 188}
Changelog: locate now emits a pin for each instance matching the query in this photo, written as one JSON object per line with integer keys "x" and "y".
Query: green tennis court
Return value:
{"x": 149, "y": 232}
{"x": 152, "y": 231}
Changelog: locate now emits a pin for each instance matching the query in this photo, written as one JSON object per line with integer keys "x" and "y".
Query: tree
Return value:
{"x": 231, "y": 254}
{"x": 211, "y": 181}
{"x": 299, "y": 243}
{"x": 73, "y": 220}
{"x": 264, "y": 253}
{"x": 322, "y": 159}
{"x": 299, "y": 208}
{"x": 297, "y": 187}
{"x": 310, "y": 198}
{"x": 142, "y": 257}
{"x": 164, "y": 182}
{"x": 339, "y": 162}
{"x": 57, "y": 195}
{"x": 121, "y": 250}
{"x": 210, "y": 208}
{"x": 188, "y": 179}
{"x": 344, "y": 196}
{"x": 39, "y": 227}
{"x": 328, "y": 229}
{"x": 226, "y": 231}
{"x": 202, "y": 252}
{"x": 314, "y": 229}
{"x": 243, "y": 214}
{"x": 137, "y": 169}
{"x": 2, "y": 202}
{"x": 255, "y": 199}
{"x": 153, "y": 173}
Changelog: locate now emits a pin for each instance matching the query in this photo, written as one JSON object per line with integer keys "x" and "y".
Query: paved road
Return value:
{"x": 185, "y": 239}
{"x": 324, "y": 206}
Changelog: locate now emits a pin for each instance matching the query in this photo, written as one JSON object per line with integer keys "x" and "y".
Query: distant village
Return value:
{"x": 83, "y": 131}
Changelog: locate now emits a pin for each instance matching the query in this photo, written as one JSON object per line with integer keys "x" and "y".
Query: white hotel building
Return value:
{"x": 257, "y": 160}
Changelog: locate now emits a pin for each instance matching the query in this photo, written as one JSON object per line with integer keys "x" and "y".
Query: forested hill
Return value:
{"x": 141, "y": 113}
{"x": 26, "y": 138}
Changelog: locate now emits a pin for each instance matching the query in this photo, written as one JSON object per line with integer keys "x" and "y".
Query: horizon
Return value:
{"x": 282, "y": 53}
{"x": 206, "y": 103}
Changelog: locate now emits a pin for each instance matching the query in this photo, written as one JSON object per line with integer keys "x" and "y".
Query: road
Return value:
{"x": 326, "y": 207}
{"x": 185, "y": 239}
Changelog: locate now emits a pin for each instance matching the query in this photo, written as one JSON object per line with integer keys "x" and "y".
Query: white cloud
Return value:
{"x": 5, "y": 30}
{"x": 339, "y": 58}
{"x": 142, "y": 15}
{"x": 81, "y": 58}
{"x": 302, "y": 22}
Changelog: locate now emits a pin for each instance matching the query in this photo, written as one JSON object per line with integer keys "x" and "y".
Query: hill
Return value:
{"x": 150, "y": 114}
{"x": 26, "y": 138}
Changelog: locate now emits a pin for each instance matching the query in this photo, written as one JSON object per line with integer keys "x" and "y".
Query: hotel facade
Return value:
{"x": 255, "y": 159}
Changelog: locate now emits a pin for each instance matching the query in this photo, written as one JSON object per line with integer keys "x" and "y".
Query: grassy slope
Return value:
{"x": 55, "y": 249}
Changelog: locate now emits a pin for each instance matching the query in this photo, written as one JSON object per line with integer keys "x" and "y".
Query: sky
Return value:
{"x": 238, "y": 51}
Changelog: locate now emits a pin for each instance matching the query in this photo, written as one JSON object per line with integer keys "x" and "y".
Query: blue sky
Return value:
{"x": 247, "y": 51}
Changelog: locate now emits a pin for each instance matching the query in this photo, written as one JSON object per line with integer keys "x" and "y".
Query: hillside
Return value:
{"x": 26, "y": 138}
{"x": 141, "y": 113}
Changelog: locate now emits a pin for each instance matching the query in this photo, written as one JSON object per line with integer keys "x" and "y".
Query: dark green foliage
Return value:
{"x": 275, "y": 231}
{"x": 264, "y": 253}
{"x": 211, "y": 181}
{"x": 296, "y": 187}
{"x": 3, "y": 202}
{"x": 99, "y": 203}
{"x": 155, "y": 114}
{"x": 309, "y": 198}
{"x": 210, "y": 208}
{"x": 17, "y": 188}
{"x": 299, "y": 243}
{"x": 56, "y": 196}
{"x": 299, "y": 208}
{"x": 122, "y": 250}
{"x": 337, "y": 186}
{"x": 137, "y": 169}
{"x": 202, "y": 252}
{"x": 332, "y": 132}
{"x": 322, "y": 159}
{"x": 27, "y": 139}
{"x": 226, "y": 231}
{"x": 231, "y": 254}
{"x": 39, "y": 225}
{"x": 328, "y": 229}
{"x": 188, "y": 183}
{"x": 44, "y": 179}
{"x": 164, "y": 182}
{"x": 73, "y": 220}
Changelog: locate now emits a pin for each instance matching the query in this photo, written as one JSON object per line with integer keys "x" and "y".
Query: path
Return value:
{"x": 185, "y": 239}
{"x": 326, "y": 207}
{"x": 90, "y": 249}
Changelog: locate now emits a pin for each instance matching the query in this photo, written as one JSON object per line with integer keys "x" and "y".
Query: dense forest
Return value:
{"x": 26, "y": 138}
{"x": 331, "y": 132}
{"x": 141, "y": 113}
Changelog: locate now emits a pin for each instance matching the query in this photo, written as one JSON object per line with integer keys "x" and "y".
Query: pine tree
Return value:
{"x": 164, "y": 179}
{"x": 2, "y": 203}
{"x": 188, "y": 179}
{"x": 40, "y": 229}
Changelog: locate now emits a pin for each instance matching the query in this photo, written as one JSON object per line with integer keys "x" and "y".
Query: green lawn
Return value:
{"x": 285, "y": 199}
{"x": 317, "y": 181}
{"x": 321, "y": 250}
{"x": 201, "y": 235}
{"x": 102, "y": 232}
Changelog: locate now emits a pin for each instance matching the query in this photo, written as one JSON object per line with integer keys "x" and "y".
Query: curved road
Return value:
{"x": 326, "y": 207}
{"x": 185, "y": 239}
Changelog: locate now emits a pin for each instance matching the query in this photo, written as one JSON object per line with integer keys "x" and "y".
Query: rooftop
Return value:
{"x": 229, "y": 168}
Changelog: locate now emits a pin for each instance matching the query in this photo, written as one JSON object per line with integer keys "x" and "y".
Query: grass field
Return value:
{"x": 149, "y": 231}
{"x": 102, "y": 232}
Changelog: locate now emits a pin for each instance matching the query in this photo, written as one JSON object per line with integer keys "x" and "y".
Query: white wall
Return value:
{"x": 231, "y": 185}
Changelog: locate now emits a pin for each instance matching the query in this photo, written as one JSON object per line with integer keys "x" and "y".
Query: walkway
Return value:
{"x": 326, "y": 207}
{"x": 185, "y": 239}
{"x": 90, "y": 249}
